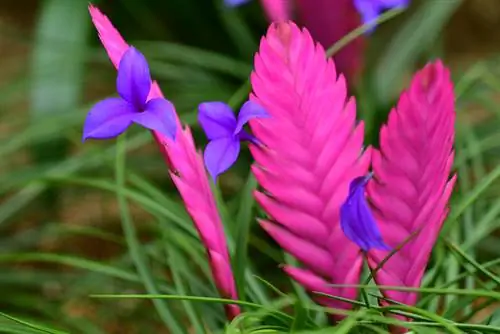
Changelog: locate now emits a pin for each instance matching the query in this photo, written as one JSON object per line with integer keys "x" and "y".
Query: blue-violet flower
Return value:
{"x": 357, "y": 220}
{"x": 371, "y": 9}
{"x": 111, "y": 117}
{"x": 235, "y": 3}
{"x": 225, "y": 132}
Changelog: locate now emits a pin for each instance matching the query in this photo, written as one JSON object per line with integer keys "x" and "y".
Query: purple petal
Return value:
{"x": 356, "y": 219}
{"x": 245, "y": 136}
{"x": 217, "y": 119}
{"x": 158, "y": 116}
{"x": 235, "y": 3}
{"x": 220, "y": 154}
{"x": 134, "y": 81}
{"x": 371, "y": 9}
{"x": 387, "y": 4}
{"x": 368, "y": 9}
{"x": 108, "y": 119}
{"x": 248, "y": 111}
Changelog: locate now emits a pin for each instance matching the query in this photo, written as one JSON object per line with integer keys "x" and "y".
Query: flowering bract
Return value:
{"x": 312, "y": 148}
{"x": 111, "y": 117}
{"x": 356, "y": 219}
{"x": 225, "y": 133}
{"x": 371, "y": 9}
{"x": 411, "y": 191}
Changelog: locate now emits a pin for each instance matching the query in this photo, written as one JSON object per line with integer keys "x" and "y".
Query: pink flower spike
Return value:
{"x": 412, "y": 185}
{"x": 312, "y": 149}
{"x": 188, "y": 173}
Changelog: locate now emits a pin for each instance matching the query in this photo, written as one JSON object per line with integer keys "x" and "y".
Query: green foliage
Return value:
{"x": 76, "y": 269}
{"x": 57, "y": 73}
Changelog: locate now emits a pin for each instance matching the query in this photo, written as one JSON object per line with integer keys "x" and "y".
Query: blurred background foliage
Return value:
{"x": 61, "y": 233}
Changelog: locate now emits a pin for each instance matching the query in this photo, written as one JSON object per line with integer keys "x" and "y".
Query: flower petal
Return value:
{"x": 217, "y": 119}
{"x": 248, "y": 111}
{"x": 134, "y": 80}
{"x": 158, "y": 116}
{"x": 369, "y": 11}
{"x": 394, "y": 3}
{"x": 220, "y": 154}
{"x": 245, "y": 136}
{"x": 356, "y": 219}
{"x": 108, "y": 119}
{"x": 235, "y": 3}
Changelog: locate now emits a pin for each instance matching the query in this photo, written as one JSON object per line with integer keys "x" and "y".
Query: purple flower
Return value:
{"x": 356, "y": 219}
{"x": 111, "y": 117}
{"x": 225, "y": 132}
{"x": 235, "y": 3}
{"x": 371, "y": 9}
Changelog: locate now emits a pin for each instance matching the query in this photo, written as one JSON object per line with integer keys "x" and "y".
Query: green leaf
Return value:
{"x": 459, "y": 208}
{"x": 237, "y": 29}
{"x": 30, "y": 326}
{"x": 27, "y": 194}
{"x": 59, "y": 57}
{"x": 195, "y": 57}
{"x": 351, "y": 36}
{"x": 417, "y": 34}
{"x": 275, "y": 312}
{"x": 244, "y": 220}
{"x": 175, "y": 263}
{"x": 171, "y": 321}
{"x": 70, "y": 261}
{"x": 57, "y": 71}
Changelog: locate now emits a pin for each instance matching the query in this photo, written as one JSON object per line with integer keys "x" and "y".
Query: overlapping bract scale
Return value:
{"x": 187, "y": 172}
{"x": 312, "y": 149}
{"x": 412, "y": 185}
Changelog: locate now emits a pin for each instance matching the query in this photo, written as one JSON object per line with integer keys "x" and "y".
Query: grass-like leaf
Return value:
{"x": 170, "y": 320}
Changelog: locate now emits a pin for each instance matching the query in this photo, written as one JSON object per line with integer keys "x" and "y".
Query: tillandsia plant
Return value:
{"x": 142, "y": 102}
{"x": 324, "y": 206}
{"x": 410, "y": 190}
{"x": 313, "y": 169}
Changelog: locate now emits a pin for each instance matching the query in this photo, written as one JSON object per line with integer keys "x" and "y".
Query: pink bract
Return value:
{"x": 312, "y": 149}
{"x": 412, "y": 185}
